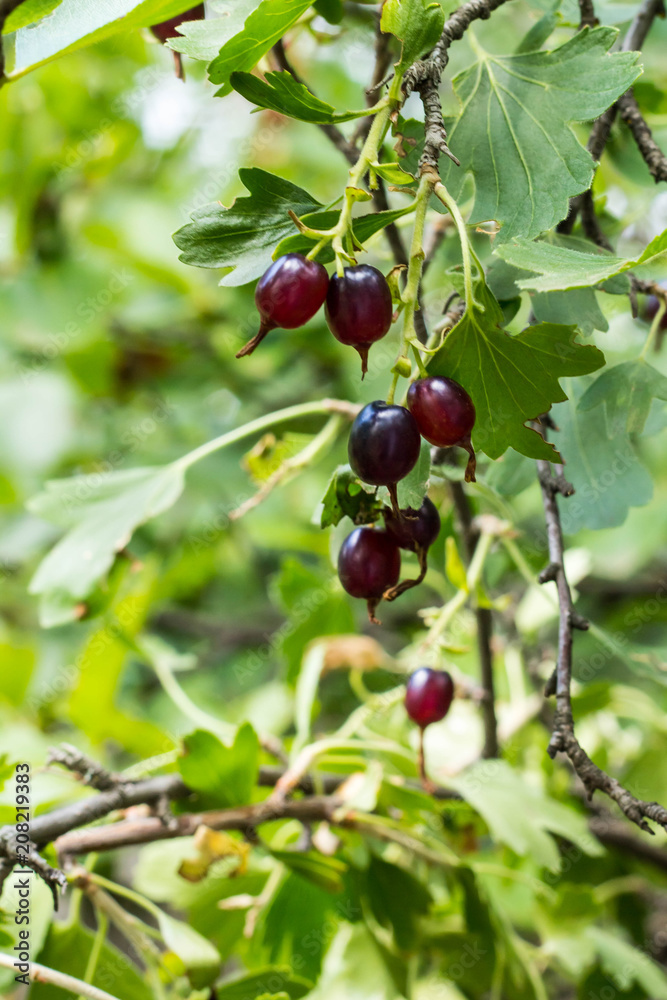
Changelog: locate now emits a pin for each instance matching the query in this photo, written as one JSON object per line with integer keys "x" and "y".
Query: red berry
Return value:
{"x": 384, "y": 443}
{"x": 445, "y": 414}
{"x": 415, "y": 528}
{"x": 167, "y": 29}
{"x": 428, "y": 695}
{"x": 359, "y": 309}
{"x": 369, "y": 563}
{"x": 288, "y": 294}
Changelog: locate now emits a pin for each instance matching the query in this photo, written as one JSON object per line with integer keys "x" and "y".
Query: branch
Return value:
{"x": 655, "y": 159}
{"x": 42, "y": 974}
{"x": 484, "y": 619}
{"x": 587, "y": 11}
{"x": 563, "y": 739}
{"x": 89, "y": 771}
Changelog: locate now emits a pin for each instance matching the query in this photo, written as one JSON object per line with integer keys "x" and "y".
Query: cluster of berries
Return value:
{"x": 358, "y": 305}
{"x": 385, "y": 439}
{"x": 383, "y": 448}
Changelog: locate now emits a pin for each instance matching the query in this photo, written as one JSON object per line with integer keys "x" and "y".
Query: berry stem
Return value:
{"x": 655, "y": 326}
{"x": 427, "y": 784}
{"x": 443, "y": 194}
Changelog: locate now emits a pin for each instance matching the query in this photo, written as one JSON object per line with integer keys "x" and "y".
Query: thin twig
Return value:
{"x": 587, "y": 11}
{"x": 88, "y": 770}
{"x": 653, "y": 156}
{"x": 563, "y": 739}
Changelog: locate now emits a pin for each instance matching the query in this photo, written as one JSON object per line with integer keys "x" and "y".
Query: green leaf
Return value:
{"x": 326, "y": 873}
{"x": 27, "y": 13}
{"x": 282, "y": 93}
{"x": 243, "y": 236}
{"x": 364, "y": 226}
{"x": 626, "y": 965}
{"x": 557, "y": 267}
{"x": 331, "y": 10}
{"x": 626, "y": 392}
{"x": 101, "y": 512}
{"x": 521, "y": 816}
{"x": 511, "y": 379}
{"x": 354, "y": 968}
{"x": 454, "y": 568}
{"x": 262, "y": 29}
{"x": 514, "y": 135}
{"x": 67, "y": 949}
{"x": 346, "y": 498}
{"x": 398, "y": 900}
{"x": 204, "y": 39}
{"x": 77, "y": 23}
{"x": 393, "y": 173}
{"x": 575, "y": 307}
{"x": 225, "y": 776}
{"x": 200, "y": 958}
{"x": 262, "y": 981}
{"x": 602, "y": 466}
{"x": 413, "y": 488}
{"x": 417, "y": 24}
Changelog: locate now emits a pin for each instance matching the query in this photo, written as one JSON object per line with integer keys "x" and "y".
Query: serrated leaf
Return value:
{"x": 27, "y": 13}
{"x": 243, "y": 236}
{"x": 345, "y": 498}
{"x": 77, "y": 23}
{"x": 557, "y": 267}
{"x": 263, "y": 28}
{"x": 603, "y": 467}
{"x": 363, "y": 226}
{"x": 101, "y": 512}
{"x": 626, "y": 391}
{"x": 514, "y": 132}
{"x": 204, "y": 39}
{"x": 417, "y": 24}
{"x": 511, "y": 379}
{"x": 282, "y": 93}
{"x": 225, "y": 776}
{"x": 574, "y": 307}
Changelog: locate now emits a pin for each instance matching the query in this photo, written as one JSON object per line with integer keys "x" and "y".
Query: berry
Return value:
{"x": 428, "y": 695}
{"x": 368, "y": 563}
{"x": 384, "y": 443}
{"x": 358, "y": 308}
{"x": 288, "y": 294}
{"x": 414, "y": 530}
{"x": 444, "y": 413}
{"x": 167, "y": 29}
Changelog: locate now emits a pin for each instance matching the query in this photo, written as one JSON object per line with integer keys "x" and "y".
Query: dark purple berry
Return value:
{"x": 167, "y": 29}
{"x": 415, "y": 529}
{"x": 369, "y": 562}
{"x": 445, "y": 414}
{"x": 359, "y": 309}
{"x": 288, "y": 294}
{"x": 384, "y": 443}
{"x": 428, "y": 695}
{"x": 651, "y": 308}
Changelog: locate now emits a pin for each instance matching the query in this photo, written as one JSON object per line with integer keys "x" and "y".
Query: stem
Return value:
{"x": 368, "y": 155}
{"x": 96, "y": 950}
{"x": 127, "y": 893}
{"x": 175, "y": 692}
{"x": 42, "y": 974}
{"x": 443, "y": 194}
{"x": 263, "y": 423}
{"x": 655, "y": 326}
